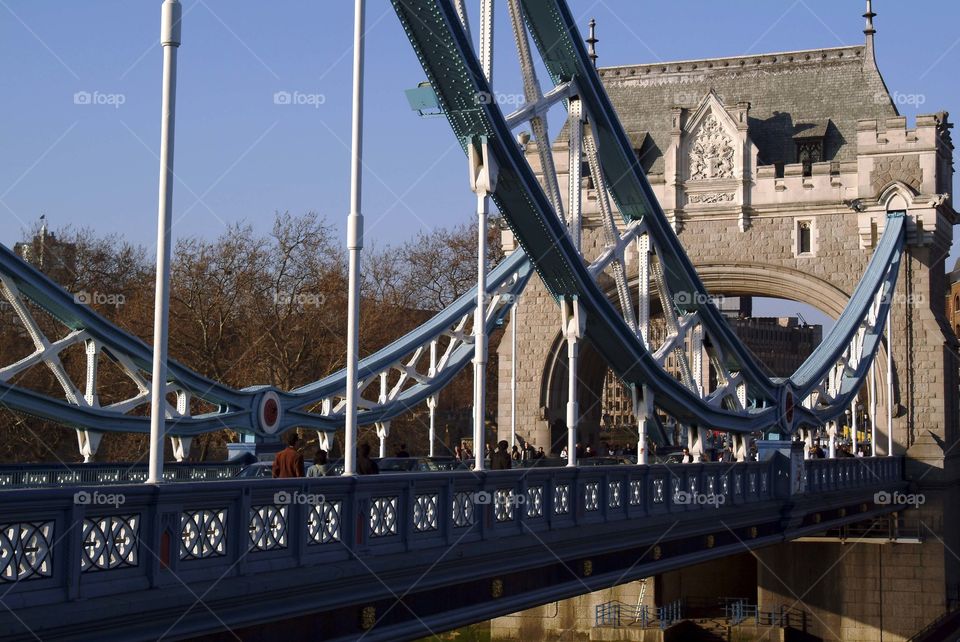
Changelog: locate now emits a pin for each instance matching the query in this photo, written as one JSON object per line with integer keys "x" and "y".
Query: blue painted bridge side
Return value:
{"x": 332, "y": 557}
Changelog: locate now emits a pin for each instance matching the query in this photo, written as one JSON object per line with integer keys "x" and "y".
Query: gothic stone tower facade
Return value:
{"x": 777, "y": 172}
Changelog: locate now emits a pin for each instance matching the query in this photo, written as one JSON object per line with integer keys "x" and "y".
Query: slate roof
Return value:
{"x": 790, "y": 93}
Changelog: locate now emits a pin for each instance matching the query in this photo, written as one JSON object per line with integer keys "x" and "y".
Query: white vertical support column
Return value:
{"x": 181, "y": 447}
{"x": 573, "y": 321}
{"x": 354, "y": 244}
{"x": 483, "y": 182}
{"x": 383, "y": 431}
{"x": 832, "y": 432}
{"x": 575, "y": 169}
{"x": 432, "y": 405}
{"x": 486, "y": 40}
{"x": 513, "y": 371}
{"x": 873, "y": 408}
{"x": 89, "y": 442}
{"x": 93, "y": 367}
{"x": 696, "y": 350}
{"x": 170, "y": 15}
{"x": 432, "y": 399}
{"x": 643, "y": 411}
{"x": 890, "y": 381}
{"x": 853, "y": 426}
{"x": 643, "y": 288}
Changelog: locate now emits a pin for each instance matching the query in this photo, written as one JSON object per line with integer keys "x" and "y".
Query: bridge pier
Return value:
{"x": 863, "y": 591}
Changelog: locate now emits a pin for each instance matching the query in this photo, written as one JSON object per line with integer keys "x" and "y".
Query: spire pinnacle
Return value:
{"x": 869, "y": 15}
{"x": 592, "y": 41}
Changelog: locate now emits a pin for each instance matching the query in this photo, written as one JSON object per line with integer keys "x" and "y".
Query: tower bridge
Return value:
{"x": 668, "y": 183}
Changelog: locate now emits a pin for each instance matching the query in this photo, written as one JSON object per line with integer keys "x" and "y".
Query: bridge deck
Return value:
{"x": 333, "y": 556}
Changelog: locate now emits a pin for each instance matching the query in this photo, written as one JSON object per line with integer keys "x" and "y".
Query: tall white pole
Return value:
{"x": 354, "y": 244}
{"x": 573, "y": 408}
{"x": 432, "y": 405}
{"x": 890, "y": 381}
{"x": 513, "y": 372}
{"x": 170, "y": 14}
{"x": 432, "y": 399}
{"x": 572, "y": 321}
{"x": 480, "y": 333}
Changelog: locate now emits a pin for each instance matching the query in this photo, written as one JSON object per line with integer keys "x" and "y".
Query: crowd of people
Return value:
{"x": 289, "y": 462}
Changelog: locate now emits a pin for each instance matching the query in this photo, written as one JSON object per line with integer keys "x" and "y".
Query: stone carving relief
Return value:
{"x": 709, "y": 198}
{"x": 711, "y": 151}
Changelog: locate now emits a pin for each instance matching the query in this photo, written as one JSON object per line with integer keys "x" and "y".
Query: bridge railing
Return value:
{"x": 51, "y": 476}
{"x": 62, "y": 544}
{"x": 824, "y": 475}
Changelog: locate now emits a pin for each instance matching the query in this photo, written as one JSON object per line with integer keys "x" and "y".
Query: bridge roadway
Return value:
{"x": 330, "y": 558}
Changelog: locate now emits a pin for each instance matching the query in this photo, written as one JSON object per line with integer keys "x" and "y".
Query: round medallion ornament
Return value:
{"x": 270, "y": 412}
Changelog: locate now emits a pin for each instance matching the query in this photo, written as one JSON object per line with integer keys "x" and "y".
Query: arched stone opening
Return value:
{"x": 592, "y": 369}
{"x": 728, "y": 279}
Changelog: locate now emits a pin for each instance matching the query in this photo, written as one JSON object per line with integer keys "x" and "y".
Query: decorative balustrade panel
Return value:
{"x": 110, "y": 542}
{"x": 49, "y": 538}
{"x": 25, "y": 551}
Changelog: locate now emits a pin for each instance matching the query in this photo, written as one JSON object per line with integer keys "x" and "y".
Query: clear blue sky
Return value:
{"x": 240, "y": 156}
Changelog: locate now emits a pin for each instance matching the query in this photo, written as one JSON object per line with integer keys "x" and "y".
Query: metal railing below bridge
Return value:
{"x": 52, "y": 476}
{"x": 58, "y": 545}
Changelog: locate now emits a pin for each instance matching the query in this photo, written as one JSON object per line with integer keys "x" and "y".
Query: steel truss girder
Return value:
{"x": 746, "y": 399}
{"x": 319, "y": 405}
